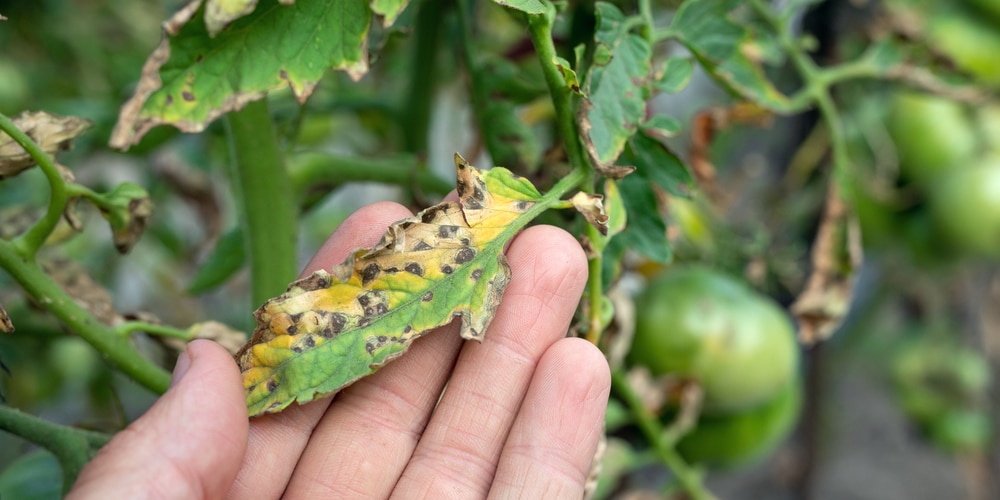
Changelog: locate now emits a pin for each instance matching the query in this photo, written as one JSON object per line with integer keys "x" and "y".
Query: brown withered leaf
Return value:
{"x": 220, "y": 333}
{"x": 5, "y": 324}
{"x": 591, "y": 207}
{"x": 52, "y": 133}
{"x": 836, "y": 254}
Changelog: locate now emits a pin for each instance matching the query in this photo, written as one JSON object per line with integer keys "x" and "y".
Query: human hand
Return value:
{"x": 520, "y": 418}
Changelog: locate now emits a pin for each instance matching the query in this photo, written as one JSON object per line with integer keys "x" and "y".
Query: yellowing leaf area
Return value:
{"x": 332, "y": 328}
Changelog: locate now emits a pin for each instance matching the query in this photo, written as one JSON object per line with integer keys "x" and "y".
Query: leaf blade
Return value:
{"x": 332, "y": 328}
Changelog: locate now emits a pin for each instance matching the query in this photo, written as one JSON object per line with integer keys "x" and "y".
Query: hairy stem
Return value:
{"x": 72, "y": 447}
{"x": 266, "y": 199}
{"x": 28, "y": 243}
{"x": 416, "y": 112}
{"x": 116, "y": 349}
{"x": 688, "y": 478}
{"x": 540, "y": 26}
{"x": 130, "y": 327}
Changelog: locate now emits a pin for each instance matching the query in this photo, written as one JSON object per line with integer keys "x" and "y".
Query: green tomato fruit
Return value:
{"x": 973, "y": 43}
{"x": 962, "y": 430}
{"x": 700, "y": 324}
{"x": 735, "y": 439}
{"x": 966, "y": 207}
{"x": 931, "y": 134}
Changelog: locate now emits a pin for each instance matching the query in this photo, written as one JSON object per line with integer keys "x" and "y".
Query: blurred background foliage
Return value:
{"x": 902, "y": 402}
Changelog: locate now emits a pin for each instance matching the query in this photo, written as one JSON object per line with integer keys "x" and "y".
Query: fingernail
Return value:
{"x": 183, "y": 363}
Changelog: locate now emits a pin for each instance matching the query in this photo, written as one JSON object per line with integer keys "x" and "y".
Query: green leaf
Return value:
{"x": 332, "y": 328}
{"x": 34, "y": 476}
{"x": 389, "y": 10}
{"x": 656, "y": 163}
{"x": 646, "y": 232}
{"x": 526, "y": 6}
{"x": 721, "y": 45}
{"x": 497, "y": 85}
{"x": 228, "y": 257}
{"x": 677, "y": 73}
{"x": 192, "y": 78}
{"x": 616, "y": 87}
{"x": 661, "y": 126}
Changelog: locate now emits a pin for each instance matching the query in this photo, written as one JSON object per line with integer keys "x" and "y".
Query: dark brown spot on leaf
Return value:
{"x": 310, "y": 342}
{"x": 464, "y": 241}
{"x": 478, "y": 194}
{"x": 369, "y": 273}
{"x": 447, "y": 231}
{"x": 370, "y": 348}
{"x": 297, "y": 349}
{"x": 363, "y": 322}
{"x": 391, "y": 270}
{"x": 337, "y": 322}
{"x": 414, "y": 268}
{"x": 464, "y": 255}
{"x": 364, "y": 300}
{"x": 381, "y": 309}
{"x": 382, "y": 339}
{"x": 446, "y": 269}
{"x": 170, "y": 99}
{"x": 283, "y": 74}
{"x": 199, "y": 58}
{"x": 292, "y": 330}
{"x": 428, "y": 216}
{"x": 429, "y": 296}
{"x": 422, "y": 245}
{"x": 369, "y": 311}
{"x": 408, "y": 329}
{"x": 522, "y": 205}
{"x": 187, "y": 96}
{"x": 462, "y": 188}
{"x": 472, "y": 204}
{"x": 476, "y": 274}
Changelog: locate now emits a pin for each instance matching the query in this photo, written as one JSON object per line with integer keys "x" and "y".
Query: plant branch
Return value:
{"x": 416, "y": 110}
{"x": 53, "y": 298}
{"x": 72, "y": 447}
{"x": 129, "y": 327}
{"x": 540, "y": 26}
{"x": 266, "y": 198}
{"x": 688, "y": 478}
{"x": 28, "y": 243}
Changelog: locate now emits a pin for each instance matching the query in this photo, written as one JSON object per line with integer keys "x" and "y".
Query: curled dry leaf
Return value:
{"x": 592, "y": 208}
{"x": 127, "y": 209}
{"x": 704, "y": 127}
{"x": 5, "y": 324}
{"x": 332, "y": 328}
{"x": 88, "y": 294}
{"x": 51, "y": 132}
{"x": 823, "y": 304}
{"x": 230, "y": 339}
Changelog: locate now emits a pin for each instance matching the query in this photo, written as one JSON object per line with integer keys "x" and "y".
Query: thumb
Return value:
{"x": 190, "y": 444}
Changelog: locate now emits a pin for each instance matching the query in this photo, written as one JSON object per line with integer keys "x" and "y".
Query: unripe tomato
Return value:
{"x": 970, "y": 41}
{"x": 932, "y": 135}
{"x": 705, "y": 326}
{"x": 966, "y": 206}
{"x": 728, "y": 440}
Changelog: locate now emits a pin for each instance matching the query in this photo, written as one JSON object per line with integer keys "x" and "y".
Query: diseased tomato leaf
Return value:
{"x": 333, "y": 328}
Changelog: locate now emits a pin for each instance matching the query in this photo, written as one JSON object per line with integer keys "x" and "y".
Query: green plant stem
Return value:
{"x": 28, "y": 243}
{"x": 646, "y": 13}
{"x": 688, "y": 478}
{"x": 540, "y": 26}
{"x": 595, "y": 290}
{"x": 130, "y": 327}
{"x": 309, "y": 170}
{"x": 818, "y": 80}
{"x": 46, "y": 292}
{"x": 416, "y": 111}
{"x": 267, "y": 201}
{"x": 72, "y": 447}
